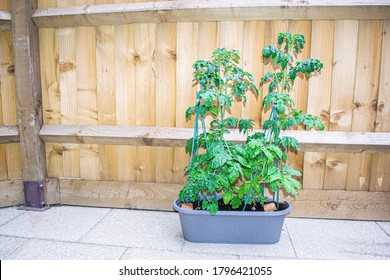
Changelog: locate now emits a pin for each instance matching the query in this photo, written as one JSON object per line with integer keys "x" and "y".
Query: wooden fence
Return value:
{"x": 116, "y": 79}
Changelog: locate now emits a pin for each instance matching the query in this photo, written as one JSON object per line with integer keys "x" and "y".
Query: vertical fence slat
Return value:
{"x": 125, "y": 96}
{"x": 51, "y": 95}
{"x": 253, "y": 44}
{"x": 209, "y": 38}
{"x": 232, "y": 36}
{"x": 318, "y": 102}
{"x": 145, "y": 90}
{"x": 187, "y": 53}
{"x": 345, "y": 52}
{"x": 12, "y": 157}
{"x": 380, "y": 173}
{"x": 365, "y": 99}
{"x": 165, "y": 71}
{"x": 68, "y": 90}
{"x": 106, "y": 94}
{"x": 3, "y": 158}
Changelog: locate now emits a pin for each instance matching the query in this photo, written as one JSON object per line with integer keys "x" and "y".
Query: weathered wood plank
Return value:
{"x": 119, "y": 194}
{"x": 356, "y": 142}
{"x": 165, "y": 71}
{"x": 365, "y": 99}
{"x": 343, "y": 82}
{"x": 5, "y": 20}
{"x": 357, "y": 205}
{"x": 318, "y": 102}
{"x": 5, "y": 16}
{"x": 125, "y": 96}
{"x": 11, "y": 193}
{"x": 339, "y": 204}
{"x": 213, "y": 10}
{"x": 106, "y": 96}
{"x": 28, "y": 90}
{"x": 145, "y": 91}
{"x": 9, "y": 134}
{"x": 380, "y": 171}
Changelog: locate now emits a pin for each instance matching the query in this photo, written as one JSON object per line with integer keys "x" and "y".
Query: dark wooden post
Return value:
{"x": 29, "y": 102}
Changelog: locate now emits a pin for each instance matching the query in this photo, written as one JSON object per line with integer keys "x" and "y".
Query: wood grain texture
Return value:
{"x": 362, "y": 142}
{"x": 106, "y": 97}
{"x": 165, "y": 71}
{"x": 141, "y": 195}
{"x": 187, "y": 54}
{"x": 318, "y": 100}
{"x": 380, "y": 172}
{"x": 28, "y": 90}
{"x": 8, "y": 111}
{"x": 343, "y": 83}
{"x": 214, "y": 10}
{"x": 357, "y": 205}
{"x": 5, "y": 19}
{"x": 125, "y": 97}
{"x": 11, "y": 193}
{"x": 145, "y": 91}
{"x": 253, "y": 42}
{"x": 69, "y": 96}
{"x": 87, "y": 97}
{"x": 365, "y": 99}
{"x": 9, "y": 134}
{"x": 232, "y": 38}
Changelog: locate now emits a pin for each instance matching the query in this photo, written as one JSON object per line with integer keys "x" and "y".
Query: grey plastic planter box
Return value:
{"x": 233, "y": 227}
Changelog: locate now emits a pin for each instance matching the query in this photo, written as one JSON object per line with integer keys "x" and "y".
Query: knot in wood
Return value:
{"x": 374, "y": 105}
{"x": 381, "y": 105}
{"x": 67, "y": 66}
{"x": 11, "y": 69}
{"x": 137, "y": 58}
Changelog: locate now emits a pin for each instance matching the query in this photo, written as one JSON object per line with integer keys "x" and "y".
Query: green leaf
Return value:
{"x": 231, "y": 122}
{"x": 227, "y": 197}
{"x": 224, "y": 181}
{"x": 245, "y": 125}
{"x": 233, "y": 175}
{"x": 291, "y": 171}
{"x": 236, "y": 202}
{"x": 214, "y": 110}
{"x": 190, "y": 111}
{"x": 290, "y": 142}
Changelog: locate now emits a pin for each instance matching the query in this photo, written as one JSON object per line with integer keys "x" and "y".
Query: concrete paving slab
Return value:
{"x": 8, "y": 214}
{"x": 282, "y": 249}
{"x": 152, "y": 254}
{"x": 385, "y": 226}
{"x": 336, "y": 239}
{"x": 138, "y": 229}
{"x": 9, "y": 245}
{"x": 57, "y": 250}
{"x": 57, "y": 223}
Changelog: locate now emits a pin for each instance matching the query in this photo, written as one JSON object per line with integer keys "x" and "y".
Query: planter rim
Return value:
{"x": 177, "y": 204}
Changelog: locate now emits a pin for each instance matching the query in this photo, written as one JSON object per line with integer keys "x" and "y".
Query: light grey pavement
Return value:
{"x": 87, "y": 233}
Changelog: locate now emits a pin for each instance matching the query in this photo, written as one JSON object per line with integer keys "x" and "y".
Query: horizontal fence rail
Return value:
{"x": 5, "y": 16}
{"x": 354, "y": 142}
{"x": 337, "y": 204}
{"x": 5, "y": 20}
{"x": 187, "y": 11}
{"x": 9, "y": 134}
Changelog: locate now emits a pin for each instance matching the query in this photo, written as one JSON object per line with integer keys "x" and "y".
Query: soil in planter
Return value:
{"x": 248, "y": 208}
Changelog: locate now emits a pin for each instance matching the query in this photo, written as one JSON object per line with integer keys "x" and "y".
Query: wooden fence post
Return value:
{"x": 29, "y": 102}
